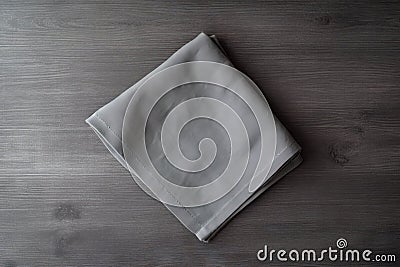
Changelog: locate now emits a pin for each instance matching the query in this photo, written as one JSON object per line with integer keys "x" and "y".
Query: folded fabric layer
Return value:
{"x": 197, "y": 135}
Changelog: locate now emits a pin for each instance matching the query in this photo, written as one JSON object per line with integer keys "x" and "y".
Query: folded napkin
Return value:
{"x": 198, "y": 135}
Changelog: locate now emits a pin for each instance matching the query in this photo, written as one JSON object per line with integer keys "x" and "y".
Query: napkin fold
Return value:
{"x": 114, "y": 126}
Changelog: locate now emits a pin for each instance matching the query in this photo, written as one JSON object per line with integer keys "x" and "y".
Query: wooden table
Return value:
{"x": 330, "y": 70}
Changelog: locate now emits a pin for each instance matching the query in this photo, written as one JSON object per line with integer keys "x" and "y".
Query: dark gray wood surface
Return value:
{"x": 330, "y": 70}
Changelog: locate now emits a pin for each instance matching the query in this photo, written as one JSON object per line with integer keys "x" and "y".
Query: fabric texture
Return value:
{"x": 117, "y": 124}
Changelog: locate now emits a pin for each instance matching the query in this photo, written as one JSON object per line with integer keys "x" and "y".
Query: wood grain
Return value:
{"x": 330, "y": 70}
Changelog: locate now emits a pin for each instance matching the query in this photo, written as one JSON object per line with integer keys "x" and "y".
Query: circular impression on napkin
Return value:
{"x": 195, "y": 130}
